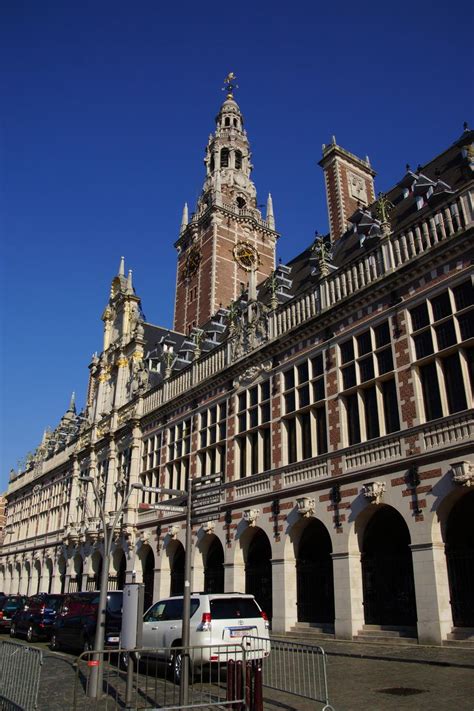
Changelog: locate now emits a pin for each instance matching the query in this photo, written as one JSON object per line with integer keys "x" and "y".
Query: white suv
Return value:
{"x": 217, "y": 619}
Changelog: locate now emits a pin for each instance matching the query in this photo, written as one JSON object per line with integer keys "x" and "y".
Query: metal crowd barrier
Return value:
{"x": 150, "y": 679}
{"x": 292, "y": 667}
{"x": 20, "y": 671}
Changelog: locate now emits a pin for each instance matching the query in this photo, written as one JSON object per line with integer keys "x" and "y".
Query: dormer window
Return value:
{"x": 225, "y": 158}
{"x": 419, "y": 202}
{"x": 406, "y": 192}
{"x": 238, "y": 160}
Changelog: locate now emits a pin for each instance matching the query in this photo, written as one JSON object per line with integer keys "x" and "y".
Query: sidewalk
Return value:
{"x": 411, "y": 653}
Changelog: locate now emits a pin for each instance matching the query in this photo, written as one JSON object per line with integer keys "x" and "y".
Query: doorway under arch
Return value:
{"x": 148, "y": 578}
{"x": 258, "y": 571}
{"x": 314, "y": 575}
{"x": 460, "y": 560}
{"x": 177, "y": 571}
{"x": 387, "y": 571}
{"x": 214, "y": 568}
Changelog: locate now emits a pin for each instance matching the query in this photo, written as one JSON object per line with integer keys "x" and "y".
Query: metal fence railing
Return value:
{"x": 20, "y": 671}
{"x": 293, "y": 668}
{"x": 150, "y": 678}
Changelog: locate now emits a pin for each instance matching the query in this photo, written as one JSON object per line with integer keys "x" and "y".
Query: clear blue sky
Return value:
{"x": 106, "y": 109}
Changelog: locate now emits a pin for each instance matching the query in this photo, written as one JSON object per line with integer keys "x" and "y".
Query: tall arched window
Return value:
{"x": 224, "y": 158}
{"x": 238, "y": 160}
{"x": 227, "y": 121}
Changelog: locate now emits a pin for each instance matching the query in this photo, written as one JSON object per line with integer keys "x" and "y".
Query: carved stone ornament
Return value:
{"x": 209, "y": 526}
{"x": 374, "y": 491}
{"x": 250, "y": 330}
{"x": 252, "y": 373}
{"x": 251, "y": 515}
{"x": 463, "y": 473}
{"x": 129, "y": 535}
{"x": 173, "y": 531}
{"x": 306, "y": 506}
{"x": 144, "y": 536}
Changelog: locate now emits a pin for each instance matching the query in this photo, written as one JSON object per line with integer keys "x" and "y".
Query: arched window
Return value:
{"x": 211, "y": 166}
{"x": 224, "y": 158}
{"x": 238, "y": 160}
{"x": 236, "y": 122}
{"x": 227, "y": 121}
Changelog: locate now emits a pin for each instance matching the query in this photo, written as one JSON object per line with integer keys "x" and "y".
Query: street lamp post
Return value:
{"x": 95, "y": 682}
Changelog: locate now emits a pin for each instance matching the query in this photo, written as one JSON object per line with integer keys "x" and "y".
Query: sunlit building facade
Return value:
{"x": 333, "y": 394}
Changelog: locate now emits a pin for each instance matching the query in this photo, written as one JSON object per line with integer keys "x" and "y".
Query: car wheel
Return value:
{"x": 53, "y": 642}
{"x": 12, "y": 630}
{"x": 176, "y": 664}
{"x": 30, "y": 635}
{"x": 124, "y": 660}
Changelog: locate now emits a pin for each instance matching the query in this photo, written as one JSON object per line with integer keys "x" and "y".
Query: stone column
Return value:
{"x": 234, "y": 577}
{"x": 348, "y": 594}
{"x": 130, "y": 514}
{"x": 284, "y": 594}
{"x": 109, "y": 504}
{"x": 432, "y": 592}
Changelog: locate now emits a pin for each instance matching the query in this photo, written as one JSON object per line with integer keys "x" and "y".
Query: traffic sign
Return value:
{"x": 168, "y": 508}
{"x": 203, "y": 518}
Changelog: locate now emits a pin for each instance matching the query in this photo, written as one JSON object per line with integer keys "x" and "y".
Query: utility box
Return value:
{"x": 132, "y": 616}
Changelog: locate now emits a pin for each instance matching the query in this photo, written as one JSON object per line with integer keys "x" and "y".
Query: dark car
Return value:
{"x": 9, "y": 606}
{"x": 36, "y": 619}
{"x": 76, "y": 621}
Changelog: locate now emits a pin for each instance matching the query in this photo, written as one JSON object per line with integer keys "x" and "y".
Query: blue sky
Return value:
{"x": 106, "y": 109}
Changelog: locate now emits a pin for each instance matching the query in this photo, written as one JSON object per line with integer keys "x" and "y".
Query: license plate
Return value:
{"x": 239, "y": 631}
{"x": 112, "y": 639}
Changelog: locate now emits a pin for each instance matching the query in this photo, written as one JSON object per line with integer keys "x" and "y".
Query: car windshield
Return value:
{"x": 53, "y": 603}
{"x": 234, "y": 607}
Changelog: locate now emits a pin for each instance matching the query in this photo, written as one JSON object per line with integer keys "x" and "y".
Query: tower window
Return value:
{"x": 227, "y": 121}
{"x": 224, "y": 158}
{"x": 241, "y": 203}
{"x": 235, "y": 122}
{"x": 212, "y": 165}
{"x": 238, "y": 160}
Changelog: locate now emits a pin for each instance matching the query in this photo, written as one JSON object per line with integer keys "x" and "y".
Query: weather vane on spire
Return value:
{"x": 230, "y": 84}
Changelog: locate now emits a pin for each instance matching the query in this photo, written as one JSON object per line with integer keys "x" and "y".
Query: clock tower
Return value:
{"x": 227, "y": 236}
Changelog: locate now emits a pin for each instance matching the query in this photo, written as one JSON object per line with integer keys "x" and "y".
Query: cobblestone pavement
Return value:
{"x": 361, "y": 677}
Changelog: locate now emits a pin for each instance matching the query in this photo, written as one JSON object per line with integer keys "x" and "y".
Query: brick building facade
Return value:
{"x": 333, "y": 394}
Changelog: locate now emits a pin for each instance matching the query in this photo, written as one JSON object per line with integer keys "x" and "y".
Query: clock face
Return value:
{"x": 192, "y": 262}
{"x": 246, "y": 255}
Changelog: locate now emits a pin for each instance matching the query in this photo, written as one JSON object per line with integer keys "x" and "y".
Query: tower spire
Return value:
{"x": 270, "y": 215}
{"x": 121, "y": 271}
{"x": 130, "y": 282}
{"x": 184, "y": 218}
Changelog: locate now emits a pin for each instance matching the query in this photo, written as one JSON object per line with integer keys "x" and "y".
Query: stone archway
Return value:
{"x": 460, "y": 560}
{"x": 119, "y": 562}
{"x": 148, "y": 567}
{"x": 214, "y": 568}
{"x": 48, "y": 567}
{"x": 258, "y": 571}
{"x": 75, "y": 581}
{"x": 177, "y": 570}
{"x": 62, "y": 567}
{"x": 387, "y": 571}
{"x": 314, "y": 575}
{"x": 96, "y": 564}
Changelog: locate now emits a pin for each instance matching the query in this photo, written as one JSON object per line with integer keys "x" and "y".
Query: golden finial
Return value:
{"x": 230, "y": 84}
{"x": 383, "y": 208}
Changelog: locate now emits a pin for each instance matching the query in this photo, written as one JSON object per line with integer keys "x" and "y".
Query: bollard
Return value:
{"x": 248, "y": 686}
{"x": 230, "y": 696}
{"x": 258, "y": 685}
{"x": 239, "y": 684}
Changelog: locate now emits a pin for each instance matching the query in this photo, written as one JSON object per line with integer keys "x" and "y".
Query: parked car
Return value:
{"x": 216, "y": 619}
{"x": 36, "y": 618}
{"x": 9, "y": 605}
{"x": 76, "y": 621}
